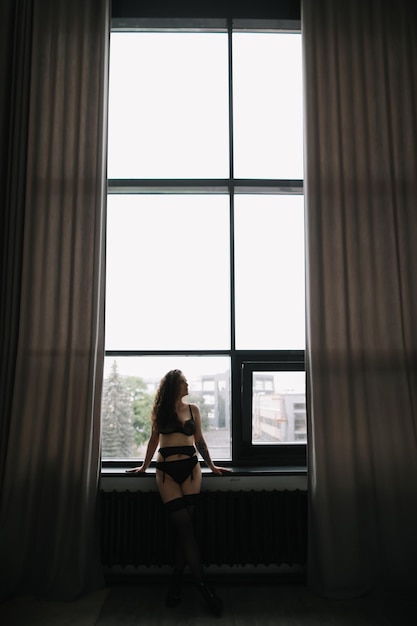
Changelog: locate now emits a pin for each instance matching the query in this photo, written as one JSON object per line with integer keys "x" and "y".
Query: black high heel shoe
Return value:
{"x": 213, "y": 602}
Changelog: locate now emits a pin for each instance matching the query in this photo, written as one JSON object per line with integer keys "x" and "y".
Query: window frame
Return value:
{"x": 279, "y": 455}
{"x": 244, "y": 454}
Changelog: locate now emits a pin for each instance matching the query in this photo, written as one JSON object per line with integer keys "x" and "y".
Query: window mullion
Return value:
{"x": 235, "y": 400}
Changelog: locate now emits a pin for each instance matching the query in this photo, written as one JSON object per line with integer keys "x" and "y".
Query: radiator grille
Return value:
{"x": 233, "y": 528}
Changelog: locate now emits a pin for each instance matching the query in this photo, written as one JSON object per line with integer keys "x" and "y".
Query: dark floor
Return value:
{"x": 251, "y": 605}
{"x": 244, "y": 604}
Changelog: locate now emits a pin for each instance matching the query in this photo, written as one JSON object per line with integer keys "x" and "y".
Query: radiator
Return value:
{"x": 233, "y": 528}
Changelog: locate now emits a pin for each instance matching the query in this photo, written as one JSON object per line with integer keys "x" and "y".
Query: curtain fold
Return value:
{"x": 360, "y": 65}
{"x": 49, "y": 539}
{"x": 14, "y": 111}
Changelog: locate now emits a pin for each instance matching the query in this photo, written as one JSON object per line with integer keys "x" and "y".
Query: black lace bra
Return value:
{"x": 188, "y": 428}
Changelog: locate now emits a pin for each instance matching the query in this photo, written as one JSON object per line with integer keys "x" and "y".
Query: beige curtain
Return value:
{"x": 53, "y": 118}
{"x": 360, "y": 61}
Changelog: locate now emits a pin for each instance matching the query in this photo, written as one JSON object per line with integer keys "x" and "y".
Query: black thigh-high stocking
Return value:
{"x": 187, "y": 550}
{"x": 191, "y": 501}
{"x": 181, "y": 512}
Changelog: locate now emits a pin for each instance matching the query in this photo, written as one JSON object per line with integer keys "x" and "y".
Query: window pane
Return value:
{"x": 168, "y": 105}
{"x": 130, "y": 384}
{"x": 278, "y": 408}
{"x": 269, "y": 272}
{"x": 167, "y": 272}
{"x": 267, "y": 105}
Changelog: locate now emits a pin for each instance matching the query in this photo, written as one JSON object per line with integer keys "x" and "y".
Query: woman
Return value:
{"x": 176, "y": 427}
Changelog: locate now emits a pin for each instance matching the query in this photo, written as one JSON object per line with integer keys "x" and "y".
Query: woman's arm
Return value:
{"x": 150, "y": 451}
{"x": 201, "y": 445}
{"x": 204, "y": 451}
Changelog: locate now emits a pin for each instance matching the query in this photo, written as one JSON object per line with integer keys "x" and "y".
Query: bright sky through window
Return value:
{"x": 267, "y": 111}
{"x": 168, "y": 108}
{"x": 168, "y": 118}
{"x": 168, "y": 272}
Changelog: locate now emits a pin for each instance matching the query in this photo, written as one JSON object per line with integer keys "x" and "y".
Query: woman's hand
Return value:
{"x": 220, "y": 470}
{"x": 137, "y": 470}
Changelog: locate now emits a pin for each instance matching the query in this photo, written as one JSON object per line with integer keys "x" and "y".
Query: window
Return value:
{"x": 205, "y": 235}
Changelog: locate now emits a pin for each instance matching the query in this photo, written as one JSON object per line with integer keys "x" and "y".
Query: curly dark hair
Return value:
{"x": 164, "y": 414}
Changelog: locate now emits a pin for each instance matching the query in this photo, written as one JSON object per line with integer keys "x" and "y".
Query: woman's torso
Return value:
{"x": 183, "y": 435}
